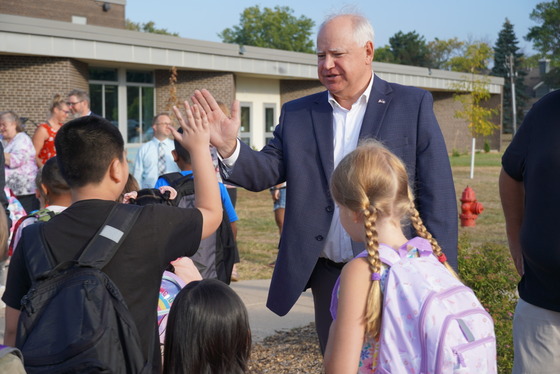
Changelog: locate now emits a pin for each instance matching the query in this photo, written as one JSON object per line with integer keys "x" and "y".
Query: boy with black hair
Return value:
{"x": 90, "y": 152}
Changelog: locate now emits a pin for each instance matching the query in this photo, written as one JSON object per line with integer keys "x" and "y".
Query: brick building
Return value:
{"x": 128, "y": 73}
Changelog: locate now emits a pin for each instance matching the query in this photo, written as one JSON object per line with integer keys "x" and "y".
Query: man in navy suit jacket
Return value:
{"x": 313, "y": 135}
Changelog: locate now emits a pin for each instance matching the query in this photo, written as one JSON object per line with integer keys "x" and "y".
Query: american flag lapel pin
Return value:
{"x": 380, "y": 101}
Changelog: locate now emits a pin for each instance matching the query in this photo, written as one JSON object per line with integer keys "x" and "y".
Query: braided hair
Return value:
{"x": 374, "y": 182}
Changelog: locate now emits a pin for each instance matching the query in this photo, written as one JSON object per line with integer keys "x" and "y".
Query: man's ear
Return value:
{"x": 174, "y": 154}
{"x": 369, "y": 52}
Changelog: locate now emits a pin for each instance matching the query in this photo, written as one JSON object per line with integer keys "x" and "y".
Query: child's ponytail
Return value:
{"x": 374, "y": 300}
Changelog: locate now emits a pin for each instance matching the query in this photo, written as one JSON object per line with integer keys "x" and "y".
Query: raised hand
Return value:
{"x": 223, "y": 130}
{"x": 196, "y": 130}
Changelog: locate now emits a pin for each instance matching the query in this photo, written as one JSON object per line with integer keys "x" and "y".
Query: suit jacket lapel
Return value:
{"x": 321, "y": 113}
{"x": 379, "y": 100}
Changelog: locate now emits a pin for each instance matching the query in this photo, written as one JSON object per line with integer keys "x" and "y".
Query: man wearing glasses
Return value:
{"x": 154, "y": 157}
{"x": 78, "y": 101}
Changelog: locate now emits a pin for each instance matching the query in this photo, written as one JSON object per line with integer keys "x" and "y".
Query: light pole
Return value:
{"x": 509, "y": 64}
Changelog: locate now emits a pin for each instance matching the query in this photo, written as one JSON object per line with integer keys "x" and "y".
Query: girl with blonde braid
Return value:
{"x": 370, "y": 185}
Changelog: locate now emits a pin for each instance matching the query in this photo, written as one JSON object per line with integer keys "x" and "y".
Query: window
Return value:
{"x": 269, "y": 117}
{"x": 246, "y": 119}
{"x": 105, "y": 101}
{"x": 128, "y": 92}
{"x": 103, "y": 92}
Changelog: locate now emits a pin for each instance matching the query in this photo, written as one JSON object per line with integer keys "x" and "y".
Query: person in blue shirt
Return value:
{"x": 148, "y": 166}
{"x": 183, "y": 159}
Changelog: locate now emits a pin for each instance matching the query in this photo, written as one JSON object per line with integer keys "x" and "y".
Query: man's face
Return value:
{"x": 343, "y": 66}
{"x": 161, "y": 127}
{"x": 77, "y": 107}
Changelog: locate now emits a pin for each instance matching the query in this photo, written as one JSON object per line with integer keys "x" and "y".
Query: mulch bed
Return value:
{"x": 288, "y": 352}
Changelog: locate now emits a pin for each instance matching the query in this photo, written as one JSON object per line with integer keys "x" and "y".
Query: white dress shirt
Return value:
{"x": 145, "y": 168}
{"x": 346, "y": 129}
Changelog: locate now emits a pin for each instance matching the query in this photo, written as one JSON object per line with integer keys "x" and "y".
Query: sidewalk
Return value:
{"x": 263, "y": 322}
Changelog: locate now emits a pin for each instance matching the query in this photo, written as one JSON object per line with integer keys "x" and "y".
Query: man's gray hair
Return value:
{"x": 80, "y": 94}
{"x": 363, "y": 30}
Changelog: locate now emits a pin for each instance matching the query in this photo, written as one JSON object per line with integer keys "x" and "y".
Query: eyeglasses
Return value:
{"x": 66, "y": 111}
{"x": 163, "y": 123}
{"x": 71, "y": 103}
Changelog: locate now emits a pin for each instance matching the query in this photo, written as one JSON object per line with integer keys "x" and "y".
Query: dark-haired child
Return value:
{"x": 207, "y": 331}
{"x": 54, "y": 196}
{"x": 92, "y": 160}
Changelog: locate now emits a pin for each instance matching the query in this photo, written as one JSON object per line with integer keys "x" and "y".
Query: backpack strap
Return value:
{"x": 172, "y": 277}
{"x": 389, "y": 256}
{"x": 98, "y": 252}
{"x": 38, "y": 258}
{"x": 42, "y": 215}
{"x": 101, "y": 249}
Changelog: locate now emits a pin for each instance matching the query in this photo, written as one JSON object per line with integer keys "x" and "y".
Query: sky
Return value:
{"x": 468, "y": 20}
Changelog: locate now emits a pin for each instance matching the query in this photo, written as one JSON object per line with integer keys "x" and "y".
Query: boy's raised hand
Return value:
{"x": 223, "y": 129}
{"x": 196, "y": 130}
{"x": 195, "y": 139}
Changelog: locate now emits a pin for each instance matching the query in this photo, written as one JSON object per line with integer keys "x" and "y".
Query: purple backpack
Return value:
{"x": 171, "y": 284}
{"x": 431, "y": 322}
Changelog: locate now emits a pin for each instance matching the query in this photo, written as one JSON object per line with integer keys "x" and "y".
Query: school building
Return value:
{"x": 56, "y": 46}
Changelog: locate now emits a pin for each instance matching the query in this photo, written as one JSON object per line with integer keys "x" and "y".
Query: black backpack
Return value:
{"x": 74, "y": 319}
{"x": 216, "y": 254}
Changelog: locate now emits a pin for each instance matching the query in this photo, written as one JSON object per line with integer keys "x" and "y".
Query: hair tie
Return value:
{"x": 442, "y": 258}
{"x": 375, "y": 277}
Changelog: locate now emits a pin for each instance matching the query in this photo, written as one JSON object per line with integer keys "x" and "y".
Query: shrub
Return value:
{"x": 489, "y": 271}
{"x": 486, "y": 146}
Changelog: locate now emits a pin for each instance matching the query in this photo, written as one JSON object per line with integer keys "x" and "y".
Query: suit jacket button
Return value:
{"x": 319, "y": 238}
{"x": 329, "y": 209}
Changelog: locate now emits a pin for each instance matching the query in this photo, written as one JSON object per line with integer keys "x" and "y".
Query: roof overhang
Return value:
{"x": 117, "y": 47}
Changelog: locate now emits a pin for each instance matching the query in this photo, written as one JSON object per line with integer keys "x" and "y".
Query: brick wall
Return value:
{"x": 29, "y": 84}
{"x": 455, "y": 130}
{"x": 221, "y": 85}
{"x": 294, "y": 89}
{"x": 63, "y": 10}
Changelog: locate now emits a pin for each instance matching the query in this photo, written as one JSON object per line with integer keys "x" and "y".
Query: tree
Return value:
{"x": 384, "y": 54}
{"x": 474, "y": 58}
{"x": 473, "y": 92}
{"x": 506, "y": 46}
{"x": 546, "y": 37}
{"x": 271, "y": 28}
{"x": 149, "y": 27}
{"x": 441, "y": 52}
{"x": 409, "y": 49}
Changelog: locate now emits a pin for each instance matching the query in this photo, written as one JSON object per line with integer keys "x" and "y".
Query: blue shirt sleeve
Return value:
{"x": 226, "y": 201}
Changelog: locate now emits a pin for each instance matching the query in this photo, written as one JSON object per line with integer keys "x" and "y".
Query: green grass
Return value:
{"x": 480, "y": 159}
{"x": 485, "y": 259}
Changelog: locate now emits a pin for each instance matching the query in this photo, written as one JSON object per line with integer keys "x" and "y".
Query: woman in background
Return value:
{"x": 43, "y": 139}
{"x": 20, "y": 166}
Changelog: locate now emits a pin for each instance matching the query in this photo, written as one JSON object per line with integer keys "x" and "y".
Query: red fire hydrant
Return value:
{"x": 470, "y": 208}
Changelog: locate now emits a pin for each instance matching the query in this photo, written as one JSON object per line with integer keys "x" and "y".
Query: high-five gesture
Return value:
{"x": 196, "y": 130}
{"x": 224, "y": 130}
{"x": 195, "y": 138}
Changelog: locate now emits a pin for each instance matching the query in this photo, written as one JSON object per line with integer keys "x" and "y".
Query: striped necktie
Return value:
{"x": 161, "y": 159}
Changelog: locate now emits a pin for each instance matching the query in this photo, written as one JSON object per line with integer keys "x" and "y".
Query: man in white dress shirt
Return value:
{"x": 154, "y": 157}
